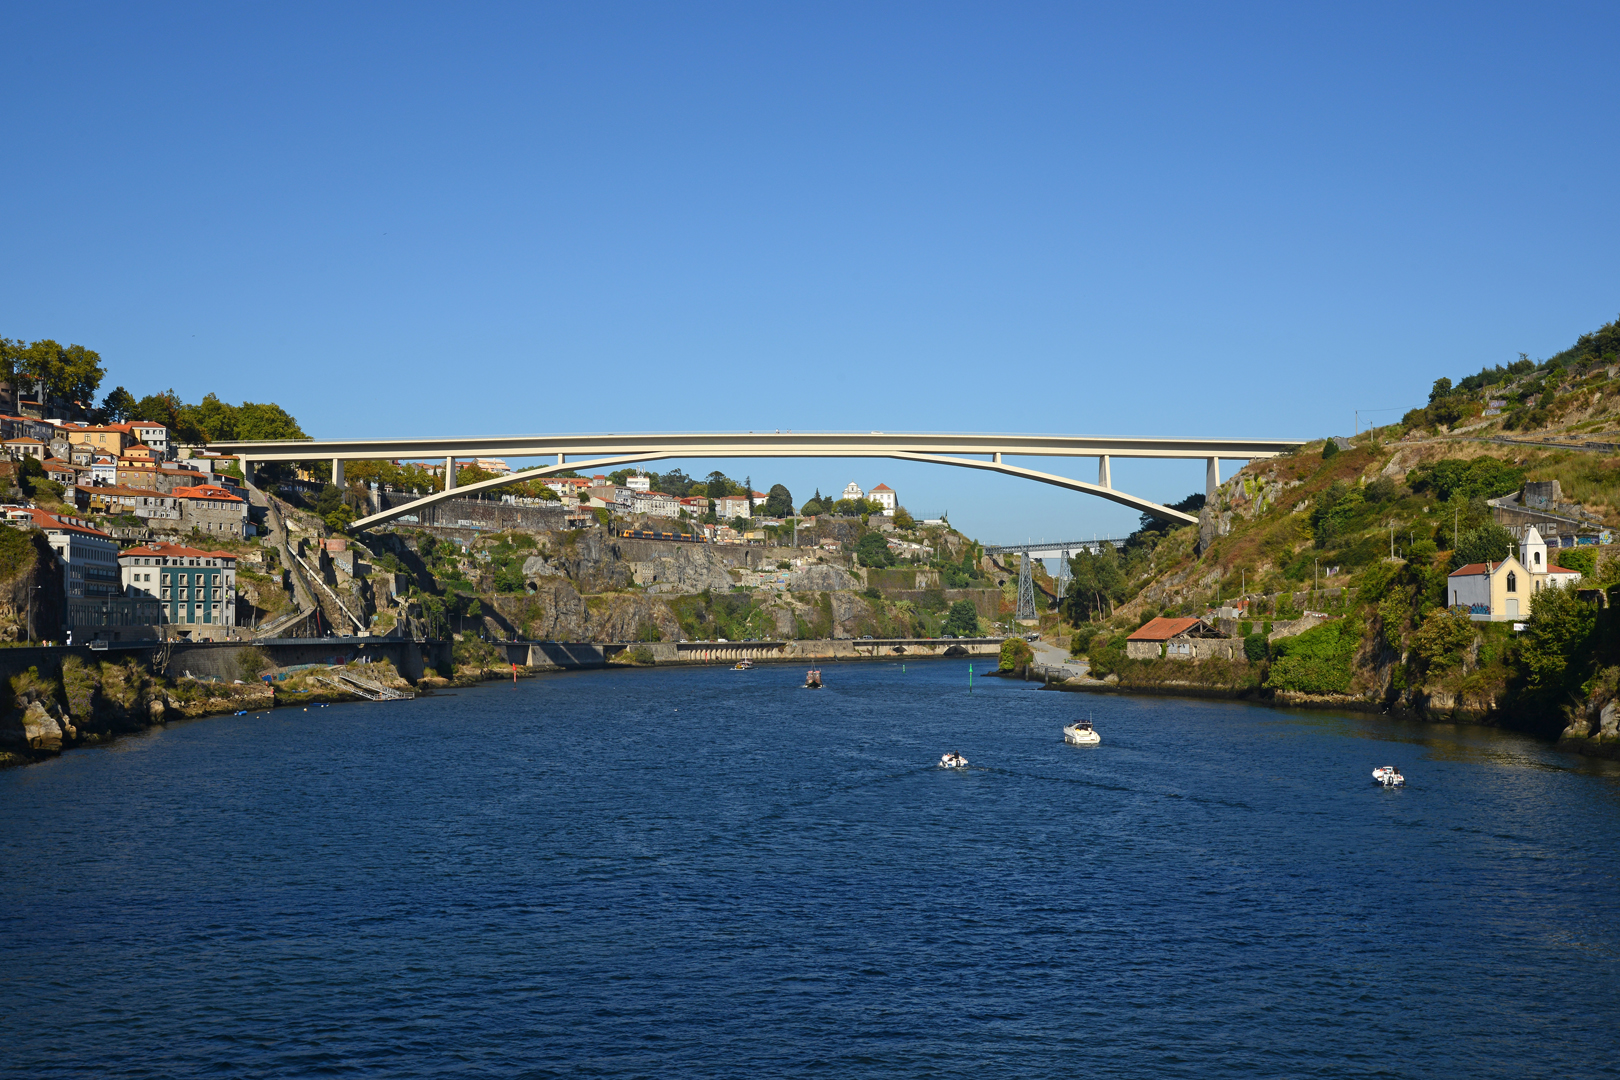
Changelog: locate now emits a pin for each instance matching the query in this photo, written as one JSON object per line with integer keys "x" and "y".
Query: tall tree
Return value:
{"x": 72, "y": 372}
{"x": 119, "y": 405}
{"x": 779, "y": 502}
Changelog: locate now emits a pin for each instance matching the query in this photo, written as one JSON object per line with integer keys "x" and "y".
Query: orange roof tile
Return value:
{"x": 1163, "y": 629}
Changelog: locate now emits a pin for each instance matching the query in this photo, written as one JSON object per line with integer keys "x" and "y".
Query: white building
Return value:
{"x": 104, "y": 470}
{"x": 655, "y": 503}
{"x": 884, "y": 494}
{"x": 154, "y": 435}
{"x": 727, "y": 507}
{"x": 1544, "y": 569}
{"x": 638, "y": 482}
{"x": 89, "y": 556}
{"x": 1505, "y": 591}
{"x": 853, "y": 491}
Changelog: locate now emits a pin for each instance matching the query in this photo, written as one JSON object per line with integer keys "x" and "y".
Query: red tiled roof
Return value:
{"x": 173, "y": 551}
{"x": 1163, "y": 629}
{"x": 1475, "y": 569}
{"x": 883, "y": 487}
{"x": 204, "y": 491}
{"x": 50, "y": 521}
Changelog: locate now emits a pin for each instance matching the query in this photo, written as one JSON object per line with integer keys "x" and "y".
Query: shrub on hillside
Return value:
{"x": 1106, "y": 655}
{"x": 1255, "y": 647}
{"x": 1481, "y": 478}
{"x": 1015, "y": 654}
{"x": 1317, "y": 661}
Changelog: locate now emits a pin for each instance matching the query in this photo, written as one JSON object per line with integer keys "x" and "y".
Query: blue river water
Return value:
{"x": 718, "y": 873}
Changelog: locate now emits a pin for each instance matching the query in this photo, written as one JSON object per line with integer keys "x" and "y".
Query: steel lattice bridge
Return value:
{"x": 601, "y": 452}
{"x": 1060, "y": 550}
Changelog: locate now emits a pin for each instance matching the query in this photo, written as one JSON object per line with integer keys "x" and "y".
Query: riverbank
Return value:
{"x": 1435, "y": 709}
{"x": 62, "y": 698}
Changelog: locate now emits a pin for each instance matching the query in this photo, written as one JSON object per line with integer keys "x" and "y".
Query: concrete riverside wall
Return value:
{"x": 219, "y": 660}
{"x": 565, "y": 655}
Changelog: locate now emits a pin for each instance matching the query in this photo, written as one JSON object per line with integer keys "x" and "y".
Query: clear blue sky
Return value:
{"x": 1124, "y": 219}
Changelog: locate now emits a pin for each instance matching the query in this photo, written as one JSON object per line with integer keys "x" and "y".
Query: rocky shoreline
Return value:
{"x": 1603, "y": 743}
{"x": 48, "y": 717}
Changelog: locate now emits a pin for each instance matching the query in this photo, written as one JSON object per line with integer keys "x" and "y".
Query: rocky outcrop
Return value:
{"x": 590, "y": 560}
{"x": 680, "y": 568}
{"x": 822, "y": 577}
{"x": 559, "y": 613}
{"x": 30, "y": 587}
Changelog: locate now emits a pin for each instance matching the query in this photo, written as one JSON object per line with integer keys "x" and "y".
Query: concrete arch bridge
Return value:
{"x": 602, "y": 452}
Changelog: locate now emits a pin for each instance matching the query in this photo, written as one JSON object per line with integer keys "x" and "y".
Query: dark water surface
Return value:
{"x": 716, "y": 873}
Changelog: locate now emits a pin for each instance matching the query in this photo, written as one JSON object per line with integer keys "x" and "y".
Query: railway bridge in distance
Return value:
{"x": 601, "y": 452}
{"x": 1062, "y": 551}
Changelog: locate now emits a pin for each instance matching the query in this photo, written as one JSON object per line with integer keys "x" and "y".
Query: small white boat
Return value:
{"x": 1388, "y": 776}
{"x": 1081, "y": 733}
{"x": 742, "y": 665}
{"x": 953, "y": 760}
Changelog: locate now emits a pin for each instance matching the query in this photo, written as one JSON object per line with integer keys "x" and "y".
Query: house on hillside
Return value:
{"x": 884, "y": 494}
{"x": 1187, "y": 638}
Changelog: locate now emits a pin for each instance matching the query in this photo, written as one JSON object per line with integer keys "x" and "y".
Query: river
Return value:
{"x": 718, "y": 873}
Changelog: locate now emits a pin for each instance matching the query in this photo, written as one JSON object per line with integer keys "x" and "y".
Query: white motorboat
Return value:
{"x": 1388, "y": 776}
{"x": 1081, "y": 733}
{"x": 953, "y": 760}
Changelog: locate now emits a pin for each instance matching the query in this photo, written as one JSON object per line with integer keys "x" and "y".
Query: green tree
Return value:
{"x": 1015, "y": 654}
{"x": 779, "y": 502}
{"x": 1329, "y": 449}
{"x": 1484, "y": 543}
{"x": 118, "y": 405}
{"x": 718, "y": 484}
{"x": 72, "y": 372}
{"x": 1256, "y": 648}
{"x": 872, "y": 550}
{"x": 963, "y": 620}
{"x": 1335, "y": 512}
{"x": 903, "y": 519}
{"x": 1556, "y": 650}
{"x": 1444, "y": 639}
{"x": 1442, "y": 388}
{"x": 1097, "y": 582}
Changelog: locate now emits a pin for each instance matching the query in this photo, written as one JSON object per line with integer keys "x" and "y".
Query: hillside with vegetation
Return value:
{"x": 1364, "y": 531}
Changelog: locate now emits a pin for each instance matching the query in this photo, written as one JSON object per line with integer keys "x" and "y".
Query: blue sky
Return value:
{"x": 1135, "y": 220}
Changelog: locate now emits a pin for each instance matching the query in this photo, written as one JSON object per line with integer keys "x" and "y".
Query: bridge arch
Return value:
{"x": 988, "y": 452}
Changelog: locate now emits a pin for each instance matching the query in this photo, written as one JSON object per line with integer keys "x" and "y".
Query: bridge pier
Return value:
{"x": 1212, "y": 479}
{"x": 449, "y": 474}
{"x": 337, "y": 471}
{"x": 1103, "y": 478}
